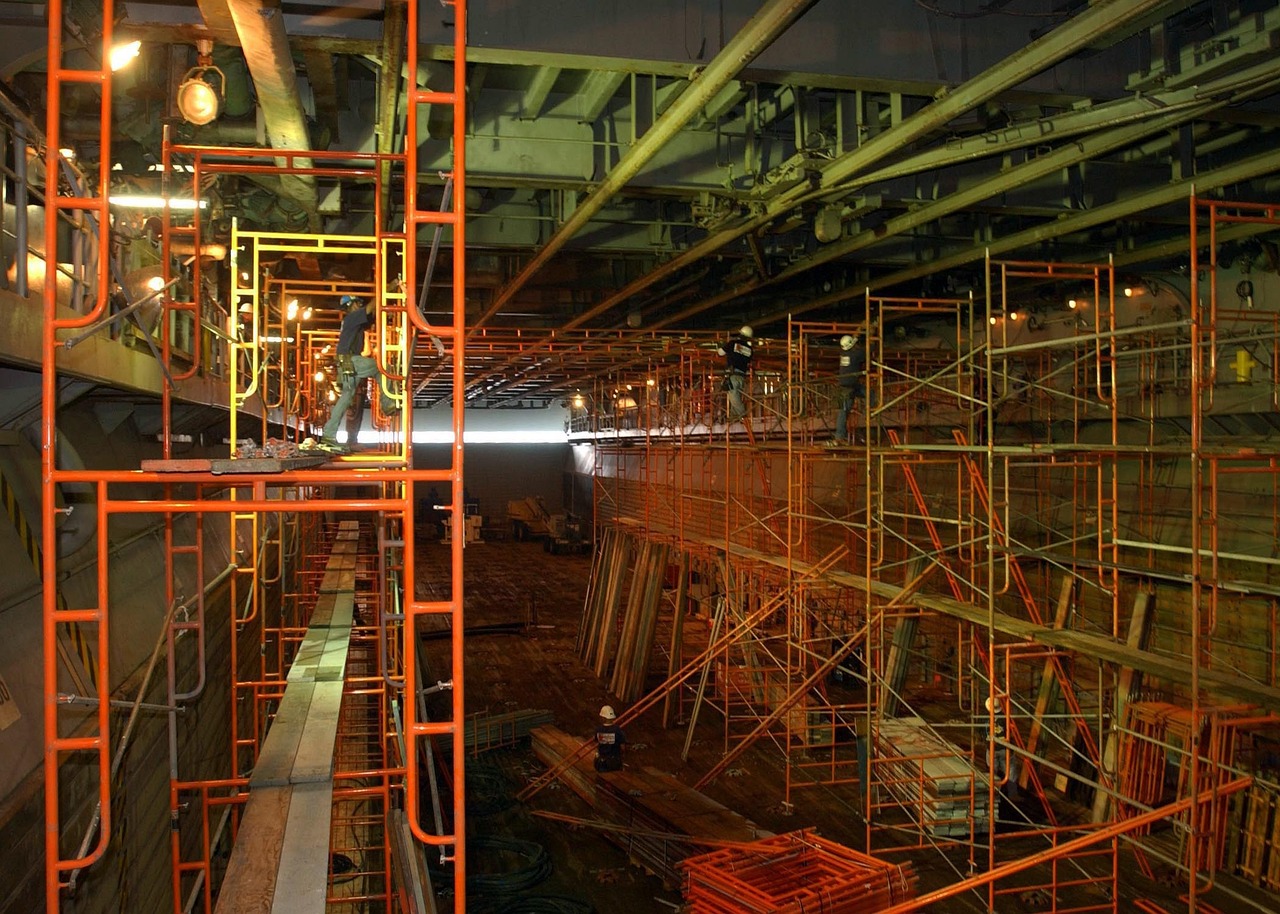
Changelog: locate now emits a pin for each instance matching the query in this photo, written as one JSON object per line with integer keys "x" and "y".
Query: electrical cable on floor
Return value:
{"x": 488, "y": 791}
{"x": 544, "y": 904}
{"x": 537, "y": 866}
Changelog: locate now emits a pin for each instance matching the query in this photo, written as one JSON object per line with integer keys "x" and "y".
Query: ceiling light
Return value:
{"x": 319, "y": 375}
{"x": 1128, "y": 291}
{"x": 1073, "y": 303}
{"x": 1013, "y": 315}
{"x": 578, "y": 401}
{"x": 154, "y": 201}
{"x": 306, "y": 313}
{"x": 291, "y": 310}
{"x": 199, "y": 99}
{"x": 121, "y": 54}
{"x": 991, "y": 319}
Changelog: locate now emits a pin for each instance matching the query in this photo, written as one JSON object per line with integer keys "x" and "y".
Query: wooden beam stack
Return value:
{"x": 657, "y": 807}
{"x": 932, "y": 779}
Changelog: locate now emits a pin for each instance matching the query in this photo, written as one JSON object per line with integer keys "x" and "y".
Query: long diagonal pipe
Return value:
{"x": 764, "y": 27}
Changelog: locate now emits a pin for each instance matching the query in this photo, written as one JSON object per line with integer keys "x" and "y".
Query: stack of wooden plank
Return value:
{"x": 652, "y": 804}
{"x": 620, "y": 615}
{"x": 793, "y": 873}
{"x": 932, "y": 779}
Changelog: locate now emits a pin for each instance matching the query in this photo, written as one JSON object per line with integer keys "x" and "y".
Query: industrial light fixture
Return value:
{"x": 200, "y": 93}
{"x": 121, "y": 54}
{"x": 291, "y": 310}
{"x": 579, "y": 401}
{"x": 319, "y": 375}
{"x": 155, "y": 283}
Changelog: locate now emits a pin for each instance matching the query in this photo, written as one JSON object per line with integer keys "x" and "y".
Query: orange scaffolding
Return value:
{"x": 273, "y": 510}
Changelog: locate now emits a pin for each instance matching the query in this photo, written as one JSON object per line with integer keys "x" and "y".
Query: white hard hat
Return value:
{"x": 993, "y": 705}
{"x": 747, "y": 331}
{"x": 607, "y": 712}
{"x": 847, "y": 341}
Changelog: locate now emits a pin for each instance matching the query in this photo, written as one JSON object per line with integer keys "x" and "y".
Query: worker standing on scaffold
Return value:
{"x": 737, "y": 356}
{"x": 354, "y": 367}
{"x": 853, "y": 365}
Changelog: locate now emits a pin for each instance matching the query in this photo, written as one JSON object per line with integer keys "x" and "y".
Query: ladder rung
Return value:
{"x": 82, "y": 76}
{"x": 435, "y": 217}
{"x": 77, "y": 743}
{"x": 429, "y": 97}
{"x": 76, "y": 615}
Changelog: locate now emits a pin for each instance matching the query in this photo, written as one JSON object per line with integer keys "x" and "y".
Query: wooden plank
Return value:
{"x": 1139, "y": 628}
{"x": 275, "y": 762}
{"x": 898, "y": 664}
{"x": 314, "y": 759}
{"x": 675, "y": 659}
{"x": 249, "y": 885}
{"x": 1048, "y": 682}
{"x": 304, "y": 855}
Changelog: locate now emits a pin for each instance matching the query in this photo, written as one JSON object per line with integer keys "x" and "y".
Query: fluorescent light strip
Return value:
{"x": 146, "y": 201}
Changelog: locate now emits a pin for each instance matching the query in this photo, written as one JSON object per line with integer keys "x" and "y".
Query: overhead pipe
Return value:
{"x": 774, "y": 18}
{"x": 1054, "y": 47}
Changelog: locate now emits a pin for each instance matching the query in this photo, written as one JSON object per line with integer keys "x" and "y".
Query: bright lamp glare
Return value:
{"x": 121, "y": 54}
{"x": 319, "y": 375}
{"x": 198, "y": 102}
{"x": 1072, "y": 304}
{"x": 291, "y": 310}
{"x": 150, "y": 201}
{"x": 155, "y": 283}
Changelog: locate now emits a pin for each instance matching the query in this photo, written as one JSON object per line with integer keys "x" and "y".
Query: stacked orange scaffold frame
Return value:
{"x": 795, "y": 872}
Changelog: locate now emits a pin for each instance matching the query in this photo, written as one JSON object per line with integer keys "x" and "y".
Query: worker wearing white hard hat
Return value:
{"x": 737, "y": 355}
{"x": 609, "y": 741}
{"x": 853, "y": 364}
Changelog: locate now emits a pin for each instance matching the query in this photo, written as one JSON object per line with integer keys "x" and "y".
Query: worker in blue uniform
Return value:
{"x": 354, "y": 367}
{"x": 737, "y": 355}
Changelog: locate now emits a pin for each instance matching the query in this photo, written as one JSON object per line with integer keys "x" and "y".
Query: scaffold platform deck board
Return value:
{"x": 283, "y": 839}
{"x": 220, "y": 466}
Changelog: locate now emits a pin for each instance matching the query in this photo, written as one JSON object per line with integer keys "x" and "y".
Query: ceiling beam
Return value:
{"x": 395, "y": 25}
{"x": 1068, "y": 38}
{"x": 771, "y": 21}
{"x": 535, "y": 95}
{"x": 260, "y": 26}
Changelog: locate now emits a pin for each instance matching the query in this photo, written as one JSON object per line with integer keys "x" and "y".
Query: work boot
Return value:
{"x": 332, "y": 445}
{"x": 835, "y": 442}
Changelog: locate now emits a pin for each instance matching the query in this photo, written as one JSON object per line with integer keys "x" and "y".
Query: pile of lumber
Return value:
{"x": 654, "y": 808}
{"x": 793, "y": 873}
{"x": 493, "y": 731}
{"x": 932, "y": 779}
{"x": 620, "y": 615}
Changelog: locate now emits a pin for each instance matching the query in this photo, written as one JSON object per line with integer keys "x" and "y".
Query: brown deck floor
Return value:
{"x": 519, "y": 582}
